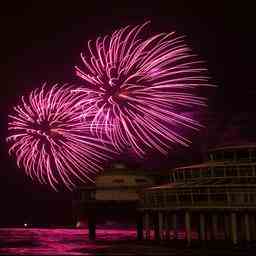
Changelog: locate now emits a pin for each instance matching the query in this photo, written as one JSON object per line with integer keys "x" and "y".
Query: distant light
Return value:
{"x": 119, "y": 166}
{"x": 78, "y": 224}
{"x": 81, "y": 224}
{"x": 25, "y": 225}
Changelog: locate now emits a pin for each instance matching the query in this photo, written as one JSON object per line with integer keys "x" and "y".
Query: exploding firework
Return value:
{"x": 141, "y": 89}
{"x": 50, "y": 141}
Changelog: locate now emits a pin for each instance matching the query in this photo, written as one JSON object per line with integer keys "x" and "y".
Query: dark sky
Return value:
{"x": 42, "y": 41}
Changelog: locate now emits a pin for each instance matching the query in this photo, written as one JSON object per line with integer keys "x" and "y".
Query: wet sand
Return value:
{"x": 37, "y": 241}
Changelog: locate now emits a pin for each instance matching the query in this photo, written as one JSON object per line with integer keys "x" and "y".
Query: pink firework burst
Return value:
{"x": 50, "y": 141}
{"x": 140, "y": 89}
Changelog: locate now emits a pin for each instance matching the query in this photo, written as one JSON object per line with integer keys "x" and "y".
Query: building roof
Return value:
{"x": 213, "y": 164}
{"x": 203, "y": 183}
{"x": 234, "y": 146}
{"x": 202, "y": 165}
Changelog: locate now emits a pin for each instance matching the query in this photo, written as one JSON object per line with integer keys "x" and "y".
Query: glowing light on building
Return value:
{"x": 140, "y": 89}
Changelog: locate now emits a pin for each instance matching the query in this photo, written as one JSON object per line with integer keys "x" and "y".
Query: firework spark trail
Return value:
{"x": 140, "y": 88}
{"x": 51, "y": 142}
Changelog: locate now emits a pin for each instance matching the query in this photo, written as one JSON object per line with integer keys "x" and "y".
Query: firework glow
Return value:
{"x": 140, "y": 89}
{"x": 49, "y": 140}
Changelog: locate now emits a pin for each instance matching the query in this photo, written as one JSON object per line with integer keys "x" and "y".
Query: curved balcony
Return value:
{"x": 202, "y": 196}
{"x": 213, "y": 170}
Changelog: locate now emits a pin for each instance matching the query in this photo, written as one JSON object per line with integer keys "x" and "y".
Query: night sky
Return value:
{"x": 42, "y": 42}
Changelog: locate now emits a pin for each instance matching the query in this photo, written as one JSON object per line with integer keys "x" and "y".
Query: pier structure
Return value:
{"x": 115, "y": 193}
{"x": 214, "y": 200}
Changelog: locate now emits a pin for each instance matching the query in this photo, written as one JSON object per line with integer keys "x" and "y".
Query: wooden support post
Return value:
{"x": 147, "y": 225}
{"x": 188, "y": 227}
{"x": 156, "y": 226}
{"x": 92, "y": 226}
{"x": 227, "y": 227}
{"x": 215, "y": 226}
{"x": 253, "y": 226}
{"x": 160, "y": 224}
{"x": 234, "y": 227}
{"x": 247, "y": 227}
{"x": 202, "y": 227}
{"x": 167, "y": 226}
{"x": 139, "y": 225}
{"x": 174, "y": 225}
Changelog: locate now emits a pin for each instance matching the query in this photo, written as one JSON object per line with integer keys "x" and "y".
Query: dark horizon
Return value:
{"x": 42, "y": 42}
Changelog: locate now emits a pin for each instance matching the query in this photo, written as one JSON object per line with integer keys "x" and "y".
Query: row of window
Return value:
{"x": 161, "y": 200}
{"x": 216, "y": 171}
{"x": 239, "y": 155}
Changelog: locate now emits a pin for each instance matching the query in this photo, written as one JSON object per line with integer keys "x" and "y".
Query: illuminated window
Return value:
{"x": 176, "y": 174}
{"x": 228, "y": 155}
{"x": 119, "y": 166}
{"x": 253, "y": 155}
{"x": 206, "y": 172}
{"x": 252, "y": 197}
{"x": 188, "y": 174}
{"x": 180, "y": 175}
{"x": 185, "y": 198}
{"x": 246, "y": 171}
{"x": 231, "y": 171}
{"x": 140, "y": 180}
{"x": 211, "y": 157}
{"x": 200, "y": 197}
{"x": 242, "y": 155}
{"x": 171, "y": 197}
{"x": 219, "y": 172}
{"x": 219, "y": 197}
{"x": 118, "y": 181}
{"x": 196, "y": 173}
{"x": 218, "y": 156}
